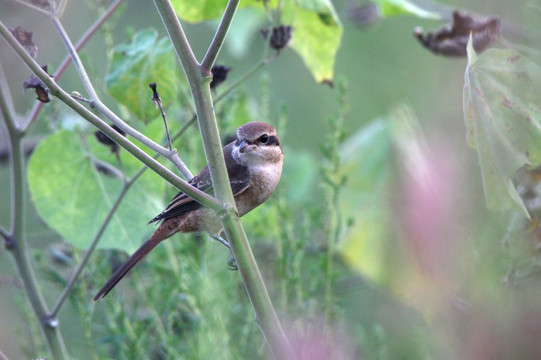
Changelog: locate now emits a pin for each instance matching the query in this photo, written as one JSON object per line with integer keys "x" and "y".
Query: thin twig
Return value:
{"x": 39, "y": 10}
{"x": 244, "y": 77}
{"x": 4, "y": 233}
{"x": 219, "y": 37}
{"x": 158, "y": 102}
{"x": 2, "y": 356}
{"x": 59, "y": 11}
{"x": 67, "y": 59}
{"x": 97, "y": 104}
{"x": 79, "y": 67}
{"x": 63, "y": 296}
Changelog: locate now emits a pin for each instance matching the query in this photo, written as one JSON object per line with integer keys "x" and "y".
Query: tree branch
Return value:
{"x": 35, "y": 8}
{"x": 16, "y": 241}
{"x": 67, "y": 59}
{"x": 219, "y": 37}
{"x": 64, "y": 295}
{"x": 57, "y": 91}
{"x": 253, "y": 282}
{"x": 97, "y": 104}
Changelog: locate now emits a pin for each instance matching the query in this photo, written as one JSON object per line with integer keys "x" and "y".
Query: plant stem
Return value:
{"x": 64, "y": 295}
{"x": 2, "y": 356}
{"x": 57, "y": 91}
{"x": 97, "y": 104}
{"x": 67, "y": 59}
{"x": 39, "y": 10}
{"x": 219, "y": 37}
{"x": 199, "y": 81}
{"x": 16, "y": 241}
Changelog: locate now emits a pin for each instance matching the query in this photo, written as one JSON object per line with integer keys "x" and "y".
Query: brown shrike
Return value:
{"x": 254, "y": 165}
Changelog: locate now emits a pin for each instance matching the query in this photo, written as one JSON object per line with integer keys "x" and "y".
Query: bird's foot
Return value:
{"x": 221, "y": 240}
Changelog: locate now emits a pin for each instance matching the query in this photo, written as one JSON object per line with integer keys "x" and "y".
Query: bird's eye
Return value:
{"x": 264, "y": 138}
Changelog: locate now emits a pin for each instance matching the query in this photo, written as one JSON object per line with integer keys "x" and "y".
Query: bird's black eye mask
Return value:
{"x": 273, "y": 140}
{"x": 270, "y": 141}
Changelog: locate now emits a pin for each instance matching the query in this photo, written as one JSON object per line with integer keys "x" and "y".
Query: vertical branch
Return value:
{"x": 16, "y": 241}
{"x": 199, "y": 80}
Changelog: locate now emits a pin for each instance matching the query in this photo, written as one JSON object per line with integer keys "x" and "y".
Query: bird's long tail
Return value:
{"x": 166, "y": 229}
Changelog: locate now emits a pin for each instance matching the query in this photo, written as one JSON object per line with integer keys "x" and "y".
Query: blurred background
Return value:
{"x": 377, "y": 244}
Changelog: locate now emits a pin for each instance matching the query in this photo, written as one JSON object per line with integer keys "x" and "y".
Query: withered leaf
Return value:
{"x": 33, "y": 82}
{"x": 107, "y": 141}
{"x": 280, "y": 37}
{"x": 451, "y": 39}
{"x": 155, "y": 96}
{"x": 25, "y": 39}
{"x": 219, "y": 75}
{"x": 362, "y": 14}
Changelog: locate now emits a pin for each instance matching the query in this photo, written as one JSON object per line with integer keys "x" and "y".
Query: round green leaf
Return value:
{"x": 73, "y": 197}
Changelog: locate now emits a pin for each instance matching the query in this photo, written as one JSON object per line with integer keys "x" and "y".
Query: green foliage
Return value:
{"x": 366, "y": 158}
{"x": 73, "y": 196}
{"x": 145, "y": 60}
{"x": 403, "y": 7}
{"x": 502, "y": 114}
{"x": 317, "y": 29}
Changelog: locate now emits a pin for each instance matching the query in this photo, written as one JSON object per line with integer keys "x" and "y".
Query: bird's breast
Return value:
{"x": 263, "y": 181}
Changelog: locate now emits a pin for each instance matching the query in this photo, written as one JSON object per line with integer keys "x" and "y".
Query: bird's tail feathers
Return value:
{"x": 163, "y": 232}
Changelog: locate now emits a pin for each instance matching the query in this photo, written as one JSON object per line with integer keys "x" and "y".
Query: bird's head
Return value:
{"x": 257, "y": 144}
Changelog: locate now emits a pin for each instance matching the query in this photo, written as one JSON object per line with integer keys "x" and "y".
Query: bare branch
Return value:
{"x": 219, "y": 37}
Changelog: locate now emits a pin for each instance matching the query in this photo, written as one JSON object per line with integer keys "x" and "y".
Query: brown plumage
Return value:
{"x": 254, "y": 165}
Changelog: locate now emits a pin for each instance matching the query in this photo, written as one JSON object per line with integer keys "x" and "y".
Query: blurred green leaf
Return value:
{"x": 145, "y": 60}
{"x": 502, "y": 112}
{"x": 73, "y": 197}
{"x": 366, "y": 159}
{"x": 403, "y": 7}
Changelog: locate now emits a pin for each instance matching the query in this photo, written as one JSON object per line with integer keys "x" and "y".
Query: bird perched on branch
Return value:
{"x": 254, "y": 165}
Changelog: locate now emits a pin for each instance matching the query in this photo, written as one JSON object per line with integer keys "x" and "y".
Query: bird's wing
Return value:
{"x": 182, "y": 203}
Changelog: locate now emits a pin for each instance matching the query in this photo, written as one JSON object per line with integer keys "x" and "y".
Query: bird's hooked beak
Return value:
{"x": 245, "y": 146}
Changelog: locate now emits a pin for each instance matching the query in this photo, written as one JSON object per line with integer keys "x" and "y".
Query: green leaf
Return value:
{"x": 317, "y": 29}
{"x": 197, "y": 11}
{"x": 73, "y": 197}
{"x": 403, "y": 7}
{"x": 366, "y": 159}
{"x": 145, "y": 60}
{"x": 502, "y": 112}
{"x": 317, "y": 35}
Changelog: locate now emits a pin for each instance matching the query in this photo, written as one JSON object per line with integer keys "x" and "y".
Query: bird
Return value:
{"x": 254, "y": 166}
